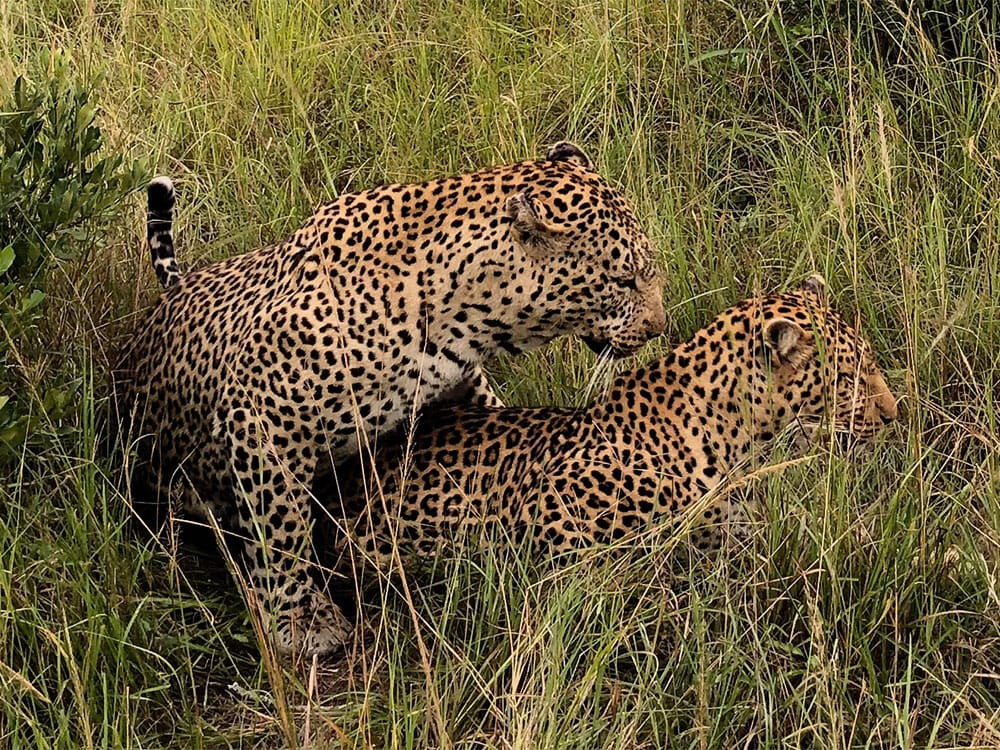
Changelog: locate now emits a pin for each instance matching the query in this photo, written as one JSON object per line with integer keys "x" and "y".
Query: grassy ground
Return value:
{"x": 757, "y": 145}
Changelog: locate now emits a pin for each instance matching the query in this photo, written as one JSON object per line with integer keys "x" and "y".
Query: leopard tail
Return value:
{"x": 159, "y": 230}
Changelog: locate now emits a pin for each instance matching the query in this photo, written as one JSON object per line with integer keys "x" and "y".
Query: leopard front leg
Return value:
{"x": 275, "y": 518}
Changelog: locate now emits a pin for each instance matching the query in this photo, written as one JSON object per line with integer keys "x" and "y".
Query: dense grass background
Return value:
{"x": 759, "y": 142}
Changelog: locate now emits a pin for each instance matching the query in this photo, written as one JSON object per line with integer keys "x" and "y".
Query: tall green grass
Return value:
{"x": 758, "y": 143}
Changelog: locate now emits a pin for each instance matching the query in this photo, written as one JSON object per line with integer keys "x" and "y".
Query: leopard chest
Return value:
{"x": 381, "y": 393}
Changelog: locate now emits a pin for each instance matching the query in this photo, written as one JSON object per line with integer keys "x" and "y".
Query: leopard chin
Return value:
{"x": 605, "y": 348}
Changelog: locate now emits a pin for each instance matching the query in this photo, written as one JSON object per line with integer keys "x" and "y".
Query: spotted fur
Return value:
{"x": 664, "y": 436}
{"x": 250, "y": 376}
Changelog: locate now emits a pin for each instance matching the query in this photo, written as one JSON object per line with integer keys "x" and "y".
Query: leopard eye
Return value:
{"x": 627, "y": 282}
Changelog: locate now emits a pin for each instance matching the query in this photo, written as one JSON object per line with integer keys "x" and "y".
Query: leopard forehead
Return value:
{"x": 753, "y": 312}
{"x": 831, "y": 332}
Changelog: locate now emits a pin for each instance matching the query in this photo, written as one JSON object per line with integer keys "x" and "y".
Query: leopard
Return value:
{"x": 251, "y": 376}
{"x": 663, "y": 449}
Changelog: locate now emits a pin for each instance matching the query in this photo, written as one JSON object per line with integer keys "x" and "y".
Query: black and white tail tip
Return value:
{"x": 159, "y": 230}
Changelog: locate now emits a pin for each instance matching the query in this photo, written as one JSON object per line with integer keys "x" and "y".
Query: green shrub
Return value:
{"x": 57, "y": 186}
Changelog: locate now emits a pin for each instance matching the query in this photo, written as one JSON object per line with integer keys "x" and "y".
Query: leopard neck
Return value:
{"x": 673, "y": 414}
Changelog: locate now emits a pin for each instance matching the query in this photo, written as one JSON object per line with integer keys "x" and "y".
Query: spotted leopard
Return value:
{"x": 251, "y": 375}
{"x": 664, "y": 443}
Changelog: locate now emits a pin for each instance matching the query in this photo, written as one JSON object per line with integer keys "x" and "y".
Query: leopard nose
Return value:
{"x": 887, "y": 406}
{"x": 881, "y": 397}
{"x": 657, "y": 322}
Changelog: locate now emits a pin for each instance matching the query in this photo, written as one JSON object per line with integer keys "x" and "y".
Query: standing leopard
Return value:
{"x": 664, "y": 437}
{"x": 251, "y": 375}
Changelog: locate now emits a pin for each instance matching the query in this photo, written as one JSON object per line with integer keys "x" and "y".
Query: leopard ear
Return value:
{"x": 536, "y": 236}
{"x": 566, "y": 151}
{"x": 785, "y": 341}
{"x": 816, "y": 286}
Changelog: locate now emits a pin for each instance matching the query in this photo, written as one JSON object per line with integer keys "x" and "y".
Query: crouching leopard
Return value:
{"x": 664, "y": 437}
{"x": 251, "y": 375}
